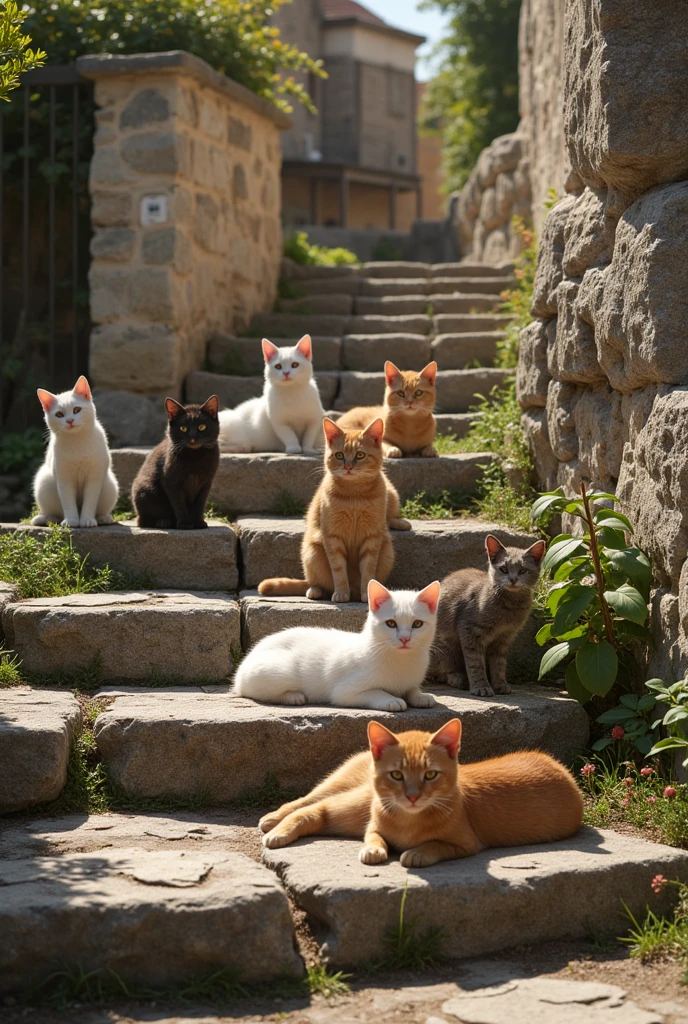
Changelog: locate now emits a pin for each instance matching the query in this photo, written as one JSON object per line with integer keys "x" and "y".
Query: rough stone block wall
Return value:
{"x": 170, "y": 126}
{"x": 603, "y": 371}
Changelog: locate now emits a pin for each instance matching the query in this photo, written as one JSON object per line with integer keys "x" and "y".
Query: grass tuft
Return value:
{"x": 10, "y": 669}
{"x": 444, "y": 505}
{"x": 448, "y": 444}
{"x": 271, "y": 794}
{"x": 657, "y": 938}
{"x": 407, "y": 948}
{"x": 286, "y": 504}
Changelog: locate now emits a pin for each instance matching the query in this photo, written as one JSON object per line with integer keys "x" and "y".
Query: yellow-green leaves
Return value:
{"x": 16, "y": 56}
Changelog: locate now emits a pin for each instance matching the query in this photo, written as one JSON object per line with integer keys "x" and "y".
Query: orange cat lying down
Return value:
{"x": 411, "y": 795}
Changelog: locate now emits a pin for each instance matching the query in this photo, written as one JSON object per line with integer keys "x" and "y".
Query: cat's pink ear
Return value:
{"x": 431, "y": 596}
{"x": 379, "y": 739}
{"x": 173, "y": 408}
{"x": 211, "y": 406}
{"x": 377, "y": 595}
{"x": 391, "y": 372}
{"x": 305, "y": 347}
{"x": 537, "y": 551}
{"x": 429, "y": 372}
{"x": 449, "y": 737}
{"x": 46, "y": 398}
{"x": 331, "y": 430}
{"x": 375, "y": 430}
{"x": 493, "y": 547}
{"x": 81, "y": 388}
{"x": 269, "y": 350}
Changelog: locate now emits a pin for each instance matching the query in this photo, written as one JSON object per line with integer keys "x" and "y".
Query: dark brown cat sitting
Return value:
{"x": 171, "y": 488}
{"x": 479, "y": 615}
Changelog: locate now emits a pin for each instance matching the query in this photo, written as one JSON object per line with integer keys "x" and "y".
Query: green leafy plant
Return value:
{"x": 598, "y": 601}
{"x": 632, "y": 721}
{"x": 16, "y": 56}
{"x": 445, "y": 505}
{"x": 518, "y": 300}
{"x": 675, "y": 718}
{"x": 657, "y": 937}
{"x": 299, "y": 249}
{"x": 10, "y": 668}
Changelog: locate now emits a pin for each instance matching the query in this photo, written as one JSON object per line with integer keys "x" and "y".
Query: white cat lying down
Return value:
{"x": 288, "y": 415}
{"x": 382, "y": 667}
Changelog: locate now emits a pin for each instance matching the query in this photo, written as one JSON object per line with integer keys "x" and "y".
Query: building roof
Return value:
{"x": 350, "y": 12}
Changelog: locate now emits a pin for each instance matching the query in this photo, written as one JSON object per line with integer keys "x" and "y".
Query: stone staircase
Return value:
{"x": 168, "y": 729}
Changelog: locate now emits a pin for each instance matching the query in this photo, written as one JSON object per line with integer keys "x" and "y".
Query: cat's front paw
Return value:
{"x": 417, "y": 858}
{"x": 294, "y": 697}
{"x": 105, "y": 520}
{"x": 457, "y": 680}
{"x": 202, "y": 525}
{"x": 482, "y": 691}
{"x": 314, "y": 593}
{"x": 72, "y": 521}
{"x": 420, "y": 699}
{"x": 293, "y": 449}
{"x": 502, "y": 687}
{"x": 429, "y": 452}
{"x": 372, "y": 855}
{"x": 341, "y": 597}
{"x": 40, "y": 521}
{"x": 86, "y": 522}
{"x": 394, "y": 453}
{"x": 275, "y": 840}
{"x": 268, "y": 822}
{"x": 393, "y": 704}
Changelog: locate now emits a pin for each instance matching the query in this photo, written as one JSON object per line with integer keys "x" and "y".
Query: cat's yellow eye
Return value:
{"x": 429, "y": 776}
{"x": 339, "y": 455}
{"x": 397, "y": 776}
{"x": 392, "y": 623}
{"x": 402, "y": 394}
{"x": 77, "y": 408}
{"x": 278, "y": 366}
{"x": 201, "y": 426}
{"x": 419, "y": 394}
{"x": 184, "y": 429}
{"x": 418, "y": 623}
{"x": 360, "y": 455}
{"x": 294, "y": 366}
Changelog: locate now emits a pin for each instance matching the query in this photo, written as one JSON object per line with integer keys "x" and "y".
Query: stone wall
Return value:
{"x": 603, "y": 371}
{"x": 202, "y": 155}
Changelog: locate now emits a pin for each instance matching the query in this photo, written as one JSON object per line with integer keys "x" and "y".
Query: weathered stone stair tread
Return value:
{"x": 391, "y": 305}
{"x": 456, "y": 389}
{"x": 492, "y": 286}
{"x": 469, "y": 323}
{"x": 395, "y": 269}
{"x": 244, "y": 356}
{"x": 380, "y": 324}
{"x": 153, "y": 917}
{"x": 433, "y": 548}
{"x": 454, "y": 351}
{"x": 173, "y": 559}
{"x": 258, "y": 482}
{"x": 186, "y": 741}
{"x": 37, "y": 729}
{"x": 369, "y": 351}
{"x": 290, "y": 325}
{"x": 479, "y": 302}
{"x": 456, "y": 423}
{"x": 232, "y": 390}
{"x": 134, "y": 635}
{"x": 469, "y": 269}
{"x": 482, "y": 904}
{"x": 336, "y": 303}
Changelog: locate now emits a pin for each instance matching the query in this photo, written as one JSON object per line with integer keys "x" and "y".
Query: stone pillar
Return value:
{"x": 185, "y": 186}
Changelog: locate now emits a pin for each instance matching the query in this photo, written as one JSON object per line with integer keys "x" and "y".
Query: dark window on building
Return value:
{"x": 397, "y": 102}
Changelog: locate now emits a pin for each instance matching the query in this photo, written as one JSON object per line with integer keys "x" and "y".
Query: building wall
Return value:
{"x": 431, "y": 170}
{"x": 388, "y": 119}
{"x": 358, "y": 42}
{"x": 341, "y": 105}
{"x": 300, "y": 23}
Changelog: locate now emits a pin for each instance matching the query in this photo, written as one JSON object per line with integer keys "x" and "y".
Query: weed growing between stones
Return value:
{"x": 286, "y": 504}
{"x": 448, "y": 444}
{"x": 50, "y": 567}
{"x": 82, "y": 680}
{"x": 660, "y": 938}
{"x": 299, "y": 249}
{"x": 518, "y": 300}
{"x": 270, "y": 794}
{"x": 444, "y": 505}
{"x": 10, "y": 669}
{"x": 407, "y": 948}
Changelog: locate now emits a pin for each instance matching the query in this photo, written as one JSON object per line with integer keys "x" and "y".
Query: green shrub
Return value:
{"x": 22, "y": 454}
{"x": 299, "y": 249}
{"x": 17, "y": 57}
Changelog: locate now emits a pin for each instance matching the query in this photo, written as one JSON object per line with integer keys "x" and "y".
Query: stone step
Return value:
{"x": 172, "y": 559}
{"x": 350, "y": 285}
{"x": 369, "y": 351}
{"x": 469, "y": 323}
{"x": 294, "y": 325}
{"x": 243, "y": 357}
{"x": 37, "y": 730}
{"x": 469, "y": 269}
{"x": 456, "y": 389}
{"x": 454, "y": 423}
{"x": 263, "y": 482}
{"x": 155, "y": 918}
{"x": 184, "y": 741}
{"x": 456, "y": 351}
{"x": 387, "y": 287}
{"x": 497, "y": 899}
{"x": 328, "y": 303}
{"x": 290, "y": 271}
{"x": 379, "y": 324}
{"x": 469, "y": 285}
{"x": 395, "y": 269}
{"x": 270, "y": 546}
{"x": 232, "y": 390}
{"x": 474, "y": 303}
{"x": 153, "y": 635}
{"x": 263, "y": 616}
{"x": 391, "y": 305}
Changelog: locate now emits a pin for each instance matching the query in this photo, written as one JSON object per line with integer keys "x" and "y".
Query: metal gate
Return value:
{"x": 46, "y": 134}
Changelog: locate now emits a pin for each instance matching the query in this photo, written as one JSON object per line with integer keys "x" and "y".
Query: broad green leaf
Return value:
{"x": 614, "y": 519}
{"x": 633, "y": 563}
{"x": 629, "y": 700}
{"x": 610, "y": 538}
{"x": 646, "y": 702}
{"x": 574, "y": 686}
{"x": 561, "y": 552}
{"x": 678, "y": 714}
{"x": 594, "y": 496}
{"x": 544, "y": 634}
{"x": 601, "y": 744}
{"x": 670, "y": 743}
{"x": 615, "y": 523}
{"x": 638, "y": 727}
{"x": 644, "y": 744}
{"x": 615, "y": 715}
{"x": 582, "y": 564}
{"x": 543, "y": 503}
{"x": 552, "y": 657}
{"x": 570, "y": 608}
{"x": 575, "y": 506}
{"x": 628, "y": 603}
{"x": 597, "y": 665}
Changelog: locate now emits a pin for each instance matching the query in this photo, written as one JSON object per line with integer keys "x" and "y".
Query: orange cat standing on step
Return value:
{"x": 409, "y": 421}
{"x": 347, "y": 541}
{"x": 413, "y": 796}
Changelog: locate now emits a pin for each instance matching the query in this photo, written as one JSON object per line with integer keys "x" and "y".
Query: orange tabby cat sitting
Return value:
{"x": 347, "y": 541}
{"x": 409, "y": 422}
{"x": 411, "y": 795}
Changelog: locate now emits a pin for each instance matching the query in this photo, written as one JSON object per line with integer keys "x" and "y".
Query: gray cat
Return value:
{"x": 479, "y": 615}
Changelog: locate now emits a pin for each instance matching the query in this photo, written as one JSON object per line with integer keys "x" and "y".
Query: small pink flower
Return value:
{"x": 628, "y": 781}
{"x": 618, "y": 732}
{"x": 652, "y": 799}
{"x": 669, "y": 792}
{"x": 658, "y": 883}
{"x": 626, "y": 801}
{"x": 587, "y": 769}
{"x": 647, "y": 771}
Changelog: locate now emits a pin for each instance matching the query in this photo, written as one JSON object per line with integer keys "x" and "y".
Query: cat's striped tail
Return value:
{"x": 284, "y": 587}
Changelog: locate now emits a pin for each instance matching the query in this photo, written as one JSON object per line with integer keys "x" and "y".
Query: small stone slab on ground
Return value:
{"x": 497, "y": 899}
{"x": 186, "y": 742}
{"x": 184, "y": 559}
{"x": 430, "y": 550}
{"x": 230, "y": 355}
{"x": 456, "y": 389}
{"x": 155, "y": 918}
{"x": 37, "y": 729}
{"x": 456, "y": 423}
{"x": 456, "y": 351}
{"x": 233, "y": 390}
{"x": 131, "y": 635}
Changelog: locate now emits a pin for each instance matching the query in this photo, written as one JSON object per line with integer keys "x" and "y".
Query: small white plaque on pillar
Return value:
{"x": 153, "y": 210}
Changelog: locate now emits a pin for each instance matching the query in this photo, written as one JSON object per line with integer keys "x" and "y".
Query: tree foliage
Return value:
{"x": 474, "y": 97}
{"x": 234, "y": 36}
{"x": 16, "y": 56}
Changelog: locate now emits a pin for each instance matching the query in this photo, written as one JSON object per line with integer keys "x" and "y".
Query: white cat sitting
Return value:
{"x": 382, "y": 667}
{"x": 75, "y": 485}
{"x": 288, "y": 416}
